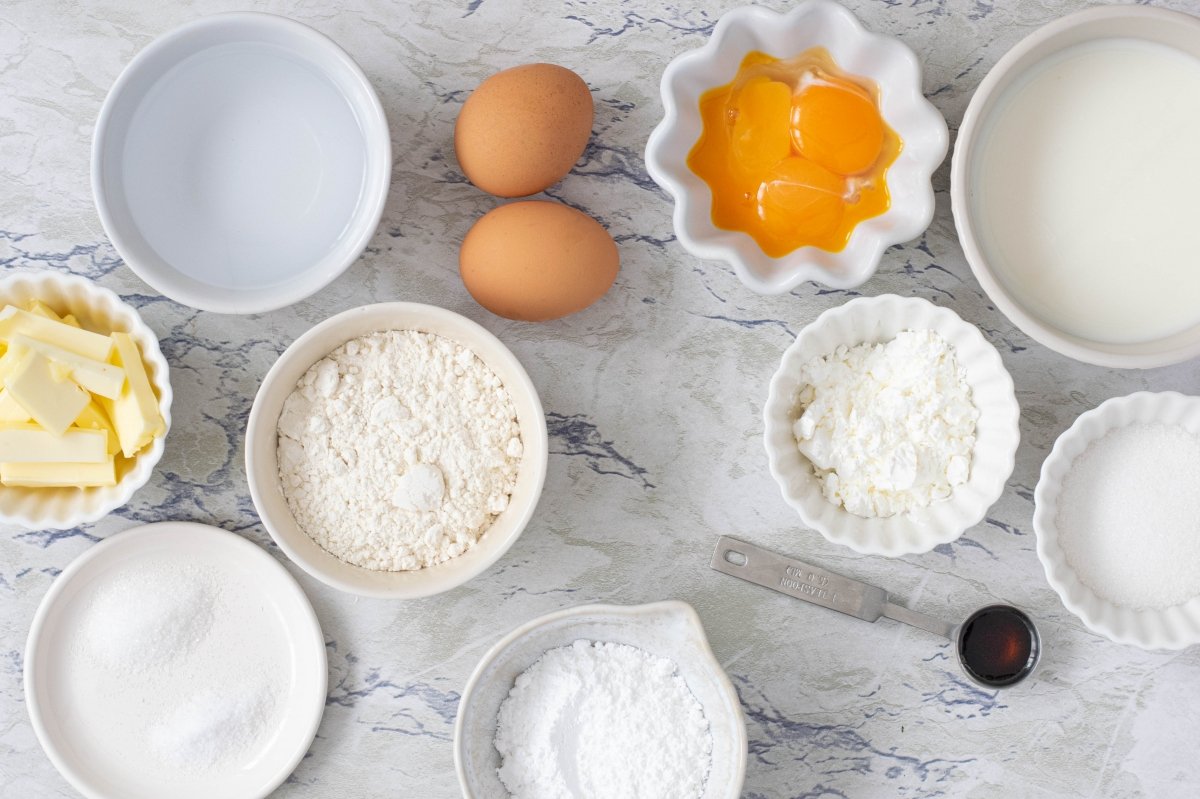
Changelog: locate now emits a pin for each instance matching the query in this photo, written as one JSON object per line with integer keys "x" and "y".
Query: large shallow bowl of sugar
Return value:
{"x": 100, "y": 311}
{"x": 668, "y": 629}
{"x": 882, "y": 59}
{"x": 1172, "y": 627}
{"x": 877, "y": 320}
{"x": 968, "y": 190}
{"x": 262, "y": 465}
{"x": 241, "y": 162}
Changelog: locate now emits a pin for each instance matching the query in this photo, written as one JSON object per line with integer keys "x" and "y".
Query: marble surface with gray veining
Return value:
{"x": 653, "y": 400}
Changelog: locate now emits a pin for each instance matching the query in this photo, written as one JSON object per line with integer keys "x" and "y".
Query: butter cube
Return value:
{"x": 28, "y": 443}
{"x": 94, "y": 418}
{"x": 11, "y": 360}
{"x": 134, "y": 414}
{"x": 14, "y": 320}
{"x": 52, "y": 403}
{"x": 95, "y": 376}
{"x": 49, "y": 475}
{"x": 70, "y": 319}
{"x": 11, "y": 411}
{"x": 39, "y": 308}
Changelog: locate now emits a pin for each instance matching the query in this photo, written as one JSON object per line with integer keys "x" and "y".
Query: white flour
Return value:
{"x": 888, "y": 427}
{"x": 397, "y": 450}
{"x": 598, "y": 720}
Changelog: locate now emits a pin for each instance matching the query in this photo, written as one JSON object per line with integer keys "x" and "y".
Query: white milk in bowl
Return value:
{"x": 1087, "y": 191}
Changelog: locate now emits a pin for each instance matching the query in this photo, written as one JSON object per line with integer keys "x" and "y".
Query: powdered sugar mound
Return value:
{"x": 397, "y": 450}
{"x": 890, "y": 427}
{"x": 598, "y": 720}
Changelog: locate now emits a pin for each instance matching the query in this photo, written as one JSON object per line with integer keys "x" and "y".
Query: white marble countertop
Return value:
{"x": 653, "y": 399}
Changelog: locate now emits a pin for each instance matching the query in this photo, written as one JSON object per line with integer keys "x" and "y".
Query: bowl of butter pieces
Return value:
{"x": 85, "y": 401}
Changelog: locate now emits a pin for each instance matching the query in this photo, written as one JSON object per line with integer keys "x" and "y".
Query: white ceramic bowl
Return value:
{"x": 1151, "y": 628}
{"x": 241, "y": 163}
{"x": 262, "y": 467}
{"x": 100, "y": 310}
{"x": 879, "y": 319}
{"x": 882, "y": 59}
{"x": 1177, "y": 30}
{"x": 66, "y": 708}
{"x": 668, "y": 629}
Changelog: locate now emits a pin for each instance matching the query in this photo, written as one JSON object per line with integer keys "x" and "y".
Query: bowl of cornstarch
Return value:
{"x": 396, "y": 450}
{"x": 891, "y": 425}
{"x": 1117, "y": 518}
{"x": 602, "y": 701}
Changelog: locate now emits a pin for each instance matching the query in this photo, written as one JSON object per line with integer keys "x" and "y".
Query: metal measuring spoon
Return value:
{"x": 997, "y": 645}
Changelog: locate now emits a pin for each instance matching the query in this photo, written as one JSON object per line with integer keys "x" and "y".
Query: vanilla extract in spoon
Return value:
{"x": 997, "y": 645}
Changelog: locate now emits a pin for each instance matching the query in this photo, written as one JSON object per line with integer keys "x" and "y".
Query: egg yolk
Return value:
{"x": 839, "y": 127}
{"x": 795, "y": 152}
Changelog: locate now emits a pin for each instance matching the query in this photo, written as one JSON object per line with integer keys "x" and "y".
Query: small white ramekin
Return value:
{"x": 1149, "y": 628}
{"x": 667, "y": 629}
{"x": 262, "y": 466}
{"x": 102, "y": 311}
{"x": 882, "y": 59}
{"x": 270, "y": 192}
{"x": 879, "y": 319}
{"x": 1172, "y": 28}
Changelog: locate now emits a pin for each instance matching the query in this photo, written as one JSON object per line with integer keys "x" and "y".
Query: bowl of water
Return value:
{"x": 241, "y": 163}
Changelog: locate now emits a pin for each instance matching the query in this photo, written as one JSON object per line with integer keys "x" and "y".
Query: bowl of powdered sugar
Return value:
{"x": 1117, "y": 519}
{"x": 602, "y": 701}
{"x": 396, "y": 450}
{"x": 891, "y": 425}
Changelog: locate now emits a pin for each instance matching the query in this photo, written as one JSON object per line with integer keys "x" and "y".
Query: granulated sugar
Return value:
{"x": 1129, "y": 516}
{"x": 599, "y": 720}
{"x": 184, "y": 665}
{"x": 150, "y": 618}
{"x": 212, "y": 726}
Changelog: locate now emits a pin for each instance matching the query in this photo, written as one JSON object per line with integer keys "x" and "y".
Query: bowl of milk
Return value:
{"x": 1073, "y": 186}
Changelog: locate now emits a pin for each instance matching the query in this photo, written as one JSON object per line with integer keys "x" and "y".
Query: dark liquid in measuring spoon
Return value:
{"x": 998, "y": 645}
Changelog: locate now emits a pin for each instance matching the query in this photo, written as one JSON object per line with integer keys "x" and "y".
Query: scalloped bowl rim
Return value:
{"x": 146, "y": 459}
{"x": 886, "y": 536}
{"x": 859, "y": 260}
{"x": 1148, "y": 628}
{"x": 634, "y": 614}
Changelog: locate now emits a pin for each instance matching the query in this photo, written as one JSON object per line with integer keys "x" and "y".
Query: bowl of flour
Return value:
{"x": 602, "y": 701}
{"x": 396, "y": 450}
{"x": 891, "y": 425}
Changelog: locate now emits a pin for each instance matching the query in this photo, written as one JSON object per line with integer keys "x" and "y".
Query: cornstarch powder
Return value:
{"x": 889, "y": 428}
{"x": 397, "y": 450}
{"x": 1129, "y": 516}
{"x": 597, "y": 720}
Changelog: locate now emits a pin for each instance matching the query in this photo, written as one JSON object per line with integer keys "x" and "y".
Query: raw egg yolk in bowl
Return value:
{"x": 794, "y": 151}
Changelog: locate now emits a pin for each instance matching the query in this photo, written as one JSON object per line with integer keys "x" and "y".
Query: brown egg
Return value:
{"x": 536, "y": 260}
{"x": 523, "y": 129}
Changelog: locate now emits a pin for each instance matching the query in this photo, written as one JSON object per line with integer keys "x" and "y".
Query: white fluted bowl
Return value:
{"x": 667, "y": 629}
{"x": 102, "y": 311}
{"x": 882, "y": 59}
{"x": 1175, "y": 627}
{"x": 879, "y": 319}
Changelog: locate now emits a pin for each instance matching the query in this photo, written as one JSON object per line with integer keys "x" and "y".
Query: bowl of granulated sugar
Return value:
{"x": 1117, "y": 519}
